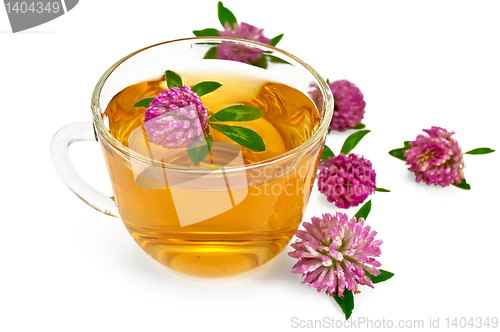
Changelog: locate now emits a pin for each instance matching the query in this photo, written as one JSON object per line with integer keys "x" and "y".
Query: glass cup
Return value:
{"x": 202, "y": 222}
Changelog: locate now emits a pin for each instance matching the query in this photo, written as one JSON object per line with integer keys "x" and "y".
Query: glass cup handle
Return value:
{"x": 67, "y": 135}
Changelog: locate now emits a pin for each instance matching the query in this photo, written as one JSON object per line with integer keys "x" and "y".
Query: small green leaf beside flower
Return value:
{"x": 364, "y": 211}
{"x": 353, "y": 140}
{"x": 144, "y": 102}
{"x": 237, "y": 113}
{"x": 241, "y": 135}
{"x": 480, "y": 151}
{"x": 383, "y": 276}
{"x": 203, "y": 88}
{"x": 226, "y": 16}
{"x": 327, "y": 153}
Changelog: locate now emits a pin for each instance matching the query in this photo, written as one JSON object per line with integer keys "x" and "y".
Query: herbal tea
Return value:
{"x": 233, "y": 217}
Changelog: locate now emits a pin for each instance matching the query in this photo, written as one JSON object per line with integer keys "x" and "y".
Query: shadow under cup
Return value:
{"x": 211, "y": 222}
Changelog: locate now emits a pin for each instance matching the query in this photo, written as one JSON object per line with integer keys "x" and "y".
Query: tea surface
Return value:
{"x": 289, "y": 117}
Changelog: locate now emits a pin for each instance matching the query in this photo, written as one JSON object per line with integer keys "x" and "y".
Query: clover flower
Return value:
{"x": 436, "y": 158}
{"x": 175, "y": 118}
{"x": 349, "y": 106}
{"x": 229, "y": 50}
{"x": 346, "y": 180}
{"x": 335, "y": 252}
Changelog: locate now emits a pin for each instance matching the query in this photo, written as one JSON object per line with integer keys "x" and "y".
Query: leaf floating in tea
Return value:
{"x": 173, "y": 80}
{"x": 353, "y": 140}
{"x": 205, "y": 87}
{"x": 198, "y": 151}
{"x": 243, "y": 136}
{"x": 144, "y": 102}
{"x": 206, "y": 33}
{"x": 237, "y": 113}
{"x": 226, "y": 16}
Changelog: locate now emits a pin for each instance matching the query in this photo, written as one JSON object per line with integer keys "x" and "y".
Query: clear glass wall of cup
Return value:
{"x": 202, "y": 222}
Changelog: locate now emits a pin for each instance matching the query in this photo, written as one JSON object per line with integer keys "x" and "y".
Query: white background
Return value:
{"x": 66, "y": 267}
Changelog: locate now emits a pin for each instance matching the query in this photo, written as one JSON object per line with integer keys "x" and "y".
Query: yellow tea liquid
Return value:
{"x": 261, "y": 214}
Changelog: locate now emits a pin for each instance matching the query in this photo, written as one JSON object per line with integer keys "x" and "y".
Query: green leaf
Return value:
{"x": 275, "y": 59}
{"x": 205, "y": 87}
{"x": 346, "y": 303}
{"x": 243, "y": 136}
{"x": 206, "y": 33}
{"x": 199, "y": 150}
{"x": 173, "y": 79}
{"x": 462, "y": 185}
{"x": 211, "y": 53}
{"x": 226, "y": 16}
{"x": 237, "y": 113}
{"x": 261, "y": 62}
{"x": 399, "y": 153}
{"x": 364, "y": 211}
{"x": 144, "y": 102}
{"x": 276, "y": 40}
{"x": 359, "y": 126}
{"x": 382, "y": 190}
{"x": 353, "y": 140}
{"x": 480, "y": 151}
{"x": 327, "y": 81}
{"x": 407, "y": 144}
{"x": 327, "y": 152}
{"x": 207, "y": 43}
{"x": 383, "y": 276}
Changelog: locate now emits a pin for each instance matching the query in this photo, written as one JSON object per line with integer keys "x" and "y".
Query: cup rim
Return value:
{"x": 129, "y": 153}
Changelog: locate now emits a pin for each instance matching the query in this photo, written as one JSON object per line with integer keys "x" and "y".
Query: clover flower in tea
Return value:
{"x": 176, "y": 118}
